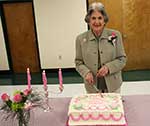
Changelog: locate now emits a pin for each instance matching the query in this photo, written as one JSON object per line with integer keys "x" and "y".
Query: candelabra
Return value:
{"x": 46, "y": 99}
{"x": 47, "y": 106}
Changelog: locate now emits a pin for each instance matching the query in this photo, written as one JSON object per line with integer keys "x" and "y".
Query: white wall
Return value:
{"x": 58, "y": 23}
{"x": 3, "y": 56}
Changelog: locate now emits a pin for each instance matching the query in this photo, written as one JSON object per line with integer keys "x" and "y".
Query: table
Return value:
{"x": 136, "y": 110}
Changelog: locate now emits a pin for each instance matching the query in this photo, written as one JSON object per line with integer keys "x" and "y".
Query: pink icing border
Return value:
{"x": 90, "y": 116}
{"x": 67, "y": 124}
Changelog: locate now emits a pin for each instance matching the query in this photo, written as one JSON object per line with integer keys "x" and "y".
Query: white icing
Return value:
{"x": 94, "y": 109}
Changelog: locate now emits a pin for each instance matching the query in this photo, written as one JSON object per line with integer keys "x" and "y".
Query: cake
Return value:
{"x": 101, "y": 109}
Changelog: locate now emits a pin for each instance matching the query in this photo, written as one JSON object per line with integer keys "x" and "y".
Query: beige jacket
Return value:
{"x": 111, "y": 54}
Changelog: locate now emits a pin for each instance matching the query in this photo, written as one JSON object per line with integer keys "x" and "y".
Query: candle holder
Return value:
{"x": 61, "y": 88}
{"x": 47, "y": 107}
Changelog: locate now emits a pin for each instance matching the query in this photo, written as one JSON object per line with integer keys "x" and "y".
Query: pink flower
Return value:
{"x": 26, "y": 92}
{"x": 17, "y": 98}
{"x": 113, "y": 34}
{"x": 5, "y": 97}
{"x": 112, "y": 38}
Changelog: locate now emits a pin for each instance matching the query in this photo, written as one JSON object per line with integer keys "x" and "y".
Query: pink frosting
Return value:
{"x": 98, "y": 117}
{"x": 97, "y": 103}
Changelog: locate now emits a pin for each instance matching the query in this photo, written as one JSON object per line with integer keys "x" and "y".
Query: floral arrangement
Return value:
{"x": 112, "y": 38}
{"x": 23, "y": 101}
{"x": 19, "y": 107}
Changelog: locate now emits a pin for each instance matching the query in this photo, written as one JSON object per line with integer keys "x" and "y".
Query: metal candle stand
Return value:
{"x": 47, "y": 107}
{"x": 46, "y": 100}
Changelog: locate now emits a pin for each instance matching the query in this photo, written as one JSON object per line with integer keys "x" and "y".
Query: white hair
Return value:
{"x": 96, "y": 6}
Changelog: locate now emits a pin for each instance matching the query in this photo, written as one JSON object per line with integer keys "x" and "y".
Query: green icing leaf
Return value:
{"x": 77, "y": 106}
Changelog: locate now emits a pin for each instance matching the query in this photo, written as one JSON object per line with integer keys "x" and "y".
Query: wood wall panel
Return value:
{"x": 136, "y": 27}
{"x": 132, "y": 19}
{"x": 21, "y": 36}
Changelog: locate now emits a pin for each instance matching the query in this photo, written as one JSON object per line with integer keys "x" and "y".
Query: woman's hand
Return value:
{"x": 103, "y": 71}
{"x": 89, "y": 78}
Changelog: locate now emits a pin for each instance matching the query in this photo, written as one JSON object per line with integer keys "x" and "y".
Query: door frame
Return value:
{"x": 5, "y": 32}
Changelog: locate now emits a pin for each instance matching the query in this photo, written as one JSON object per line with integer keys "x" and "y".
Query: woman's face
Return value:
{"x": 96, "y": 22}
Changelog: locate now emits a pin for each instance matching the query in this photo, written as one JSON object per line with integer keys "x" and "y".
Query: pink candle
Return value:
{"x": 44, "y": 79}
{"x": 29, "y": 78}
{"x": 60, "y": 78}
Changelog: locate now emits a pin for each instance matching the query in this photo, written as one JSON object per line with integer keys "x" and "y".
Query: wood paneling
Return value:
{"x": 132, "y": 19}
{"x": 21, "y": 36}
{"x": 136, "y": 28}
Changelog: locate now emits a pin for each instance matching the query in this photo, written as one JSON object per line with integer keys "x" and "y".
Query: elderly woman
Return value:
{"x": 100, "y": 54}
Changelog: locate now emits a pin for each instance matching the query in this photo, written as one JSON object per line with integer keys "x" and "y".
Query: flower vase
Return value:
{"x": 23, "y": 118}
